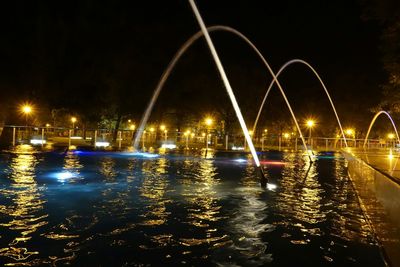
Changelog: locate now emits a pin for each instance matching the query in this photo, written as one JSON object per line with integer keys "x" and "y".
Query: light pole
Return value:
{"x": 310, "y": 124}
{"x": 209, "y": 122}
{"x": 27, "y": 110}
{"x": 73, "y": 120}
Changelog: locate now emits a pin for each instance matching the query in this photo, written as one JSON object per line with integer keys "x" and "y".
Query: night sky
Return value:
{"x": 70, "y": 53}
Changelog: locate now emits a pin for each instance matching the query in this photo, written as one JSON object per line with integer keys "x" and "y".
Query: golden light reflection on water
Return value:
{"x": 153, "y": 188}
{"x": 24, "y": 215}
{"x": 199, "y": 182}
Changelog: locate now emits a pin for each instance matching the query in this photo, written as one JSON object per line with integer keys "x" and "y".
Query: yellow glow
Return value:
{"x": 129, "y": 121}
{"x": 73, "y": 119}
{"x": 165, "y": 131}
{"x": 48, "y": 125}
{"x": 250, "y": 132}
{"x": 203, "y": 134}
{"x": 151, "y": 129}
{"x": 350, "y": 131}
{"x": 390, "y": 136}
{"x": 265, "y": 130}
{"x": 26, "y": 109}
{"x": 162, "y": 127}
{"x": 192, "y": 135}
{"x": 286, "y": 135}
{"x": 310, "y": 123}
{"x": 132, "y": 127}
{"x": 209, "y": 121}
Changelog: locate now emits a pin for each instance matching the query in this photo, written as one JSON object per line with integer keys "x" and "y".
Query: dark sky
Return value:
{"x": 60, "y": 52}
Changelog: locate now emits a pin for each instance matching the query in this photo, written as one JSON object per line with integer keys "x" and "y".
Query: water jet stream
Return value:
{"x": 275, "y": 80}
{"x": 373, "y": 121}
{"x": 226, "y": 82}
{"x": 175, "y": 60}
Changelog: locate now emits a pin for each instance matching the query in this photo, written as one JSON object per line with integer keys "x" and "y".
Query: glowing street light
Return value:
{"x": 209, "y": 122}
{"x": 310, "y": 124}
{"x": 350, "y": 132}
{"x": 73, "y": 120}
{"x": 391, "y": 136}
{"x": 26, "y": 109}
{"x": 132, "y": 127}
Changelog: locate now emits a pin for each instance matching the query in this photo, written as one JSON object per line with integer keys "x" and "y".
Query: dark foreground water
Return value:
{"x": 104, "y": 209}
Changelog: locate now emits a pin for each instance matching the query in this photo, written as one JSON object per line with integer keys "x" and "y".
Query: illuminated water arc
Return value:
{"x": 275, "y": 80}
{"x": 175, "y": 60}
{"x": 373, "y": 122}
{"x": 226, "y": 82}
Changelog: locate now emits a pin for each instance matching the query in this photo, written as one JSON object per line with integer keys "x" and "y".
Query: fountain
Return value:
{"x": 275, "y": 80}
{"x": 373, "y": 121}
{"x": 175, "y": 60}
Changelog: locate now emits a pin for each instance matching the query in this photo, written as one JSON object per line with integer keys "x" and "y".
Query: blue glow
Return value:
{"x": 62, "y": 176}
{"x": 141, "y": 154}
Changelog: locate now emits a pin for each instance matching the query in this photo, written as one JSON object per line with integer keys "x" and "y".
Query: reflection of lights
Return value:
{"x": 168, "y": 146}
{"x": 102, "y": 144}
{"x": 271, "y": 186}
{"x": 37, "y": 141}
{"x": 237, "y": 148}
{"x": 240, "y": 160}
{"x": 76, "y": 137}
{"x": 390, "y": 156}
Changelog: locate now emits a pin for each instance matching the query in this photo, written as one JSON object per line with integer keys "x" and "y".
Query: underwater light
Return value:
{"x": 102, "y": 144}
{"x": 271, "y": 186}
{"x": 37, "y": 141}
{"x": 63, "y": 175}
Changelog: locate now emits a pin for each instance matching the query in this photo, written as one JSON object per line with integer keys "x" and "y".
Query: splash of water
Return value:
{"x": 373, "y": 122}
{"x": 275, "y": 80}
{"x": 175, "y": 60}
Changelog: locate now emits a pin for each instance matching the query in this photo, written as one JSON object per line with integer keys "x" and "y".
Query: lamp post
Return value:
{"x": 208, "y": 122}
{"x": 310, "y": 125}
{"x": 27, "y": 110}
{"x": 164, "y": 130}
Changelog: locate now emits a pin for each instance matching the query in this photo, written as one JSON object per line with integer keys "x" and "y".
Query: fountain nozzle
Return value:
{"x": 264, "y": 179}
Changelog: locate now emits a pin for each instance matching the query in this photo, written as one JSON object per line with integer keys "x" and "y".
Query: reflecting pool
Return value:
{"x": 123, "y": 209}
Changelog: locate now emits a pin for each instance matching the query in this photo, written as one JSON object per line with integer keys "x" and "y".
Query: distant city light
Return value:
{"x": 168, "y": 146}
{"x": 37, "y": 141}
{"x": 102, "y": 144}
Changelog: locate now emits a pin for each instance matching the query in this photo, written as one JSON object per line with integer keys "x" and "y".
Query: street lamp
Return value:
{"x": 73, "y": 120}
{"x": 208, "y": 121}
{"x": 310, "y": 125}
{"x": 27, "y": 110}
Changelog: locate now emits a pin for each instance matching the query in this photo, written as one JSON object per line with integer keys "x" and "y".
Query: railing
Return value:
{"x": 59, "y": 136}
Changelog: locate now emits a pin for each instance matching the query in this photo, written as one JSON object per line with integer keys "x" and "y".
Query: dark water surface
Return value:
{"x": 110, "y": 209}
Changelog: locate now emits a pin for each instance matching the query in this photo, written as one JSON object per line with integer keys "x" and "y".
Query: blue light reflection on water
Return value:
{"x": 116, "y": 208}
